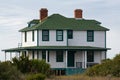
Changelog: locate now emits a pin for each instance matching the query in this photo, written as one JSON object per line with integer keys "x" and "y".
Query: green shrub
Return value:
{"x": 9, "y": 72}
{"x": 31, "y": 66}
{"x": 108, "y": 67}
{"x": 40, "y": 66}
{"x": 37, "y": 76}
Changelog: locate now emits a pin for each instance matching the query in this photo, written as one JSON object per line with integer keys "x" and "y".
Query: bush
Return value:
{"x": 108, "y": 67}
{"x": 40, "y": 66}
{"x": 36, "y": 77}
{"x": 31, "y": 66}
{"x": 9, "y": 72}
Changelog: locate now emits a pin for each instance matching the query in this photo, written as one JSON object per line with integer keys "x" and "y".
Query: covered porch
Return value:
{"x": 64, "y": 59}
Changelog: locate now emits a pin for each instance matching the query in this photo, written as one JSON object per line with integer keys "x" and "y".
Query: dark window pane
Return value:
{"x": 70, "y": 34}
{"x": 59, "y": 35}
{"x": 45, "y": 35}
{"x": 25, "y": 36}
{"x": 32, "y": 35}
{"x": 90, "y": 35}
{"x": 90, "y": 56}
{"x": 44, "y": 55}
{"x": 59, "y": 56}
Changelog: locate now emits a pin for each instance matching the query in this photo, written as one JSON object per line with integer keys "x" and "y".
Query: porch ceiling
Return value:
{"x": 56, "y": 48}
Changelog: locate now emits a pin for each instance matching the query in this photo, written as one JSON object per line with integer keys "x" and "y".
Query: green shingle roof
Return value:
{"x": 57, "y": 21}
{"x": 56, "y": 48}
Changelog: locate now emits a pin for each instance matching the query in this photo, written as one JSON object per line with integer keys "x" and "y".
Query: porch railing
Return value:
{"x": 81, "y": 64}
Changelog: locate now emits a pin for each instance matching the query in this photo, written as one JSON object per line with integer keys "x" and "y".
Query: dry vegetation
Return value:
{"x": 82, "y": 77}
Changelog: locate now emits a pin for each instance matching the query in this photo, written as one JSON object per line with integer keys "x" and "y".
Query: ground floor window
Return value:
{"x": 90, "y": 56}
{"x": 59, "y": 56}
{"x": 44, "y": 55}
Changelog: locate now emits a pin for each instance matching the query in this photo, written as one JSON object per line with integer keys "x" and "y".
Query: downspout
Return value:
{"x": 37, "y": 37}
{"x": 67, "y": 37}
{"x": 105, "y": 46}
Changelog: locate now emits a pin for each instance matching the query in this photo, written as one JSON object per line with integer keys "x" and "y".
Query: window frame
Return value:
{"x": 90, "y": 56}
{"x": 33, "y": 35}
{"x": 70, "y": 34}
{"x": 90, "y": 36}
{"x": 45, "y": 35}
{"x": 57, "y": 35}
{"x": 59, "y": 56}
{"x": 25, "y": 36}
{"x": 44, "y": 55}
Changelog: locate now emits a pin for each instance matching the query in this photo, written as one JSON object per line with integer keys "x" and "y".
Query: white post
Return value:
{"x": 85, "y": 59}
{"x": 46, "y": 56}
{"x": 66, "y": 57}
{"x": 10, "y": 56}
{"x": 5, "y": 56}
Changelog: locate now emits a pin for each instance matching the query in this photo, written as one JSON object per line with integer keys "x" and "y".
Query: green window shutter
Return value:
{"x": 90, "y": 35}
{"x": 44, "y": 55}
{"x": 90, "y": 56}
{"x": 45, "y": 35}
{"x": 59, "y": 56}
{"x": 70, "y": 34}
{"x": 59, "y": 35}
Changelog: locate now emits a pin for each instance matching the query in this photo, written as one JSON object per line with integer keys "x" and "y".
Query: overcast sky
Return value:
{"x": 14, "y": 15}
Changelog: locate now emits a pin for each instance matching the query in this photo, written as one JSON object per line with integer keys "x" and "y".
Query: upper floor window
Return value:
{"x": 70, "y": 34}
{"x": 90, "y": 35}
{"x": 45, "y": 35}
{"x": 25, "y": 36}
{"x": 90, "y": 56}
{"x": 59, "y": 56}
{"x": 33, "y": 36}
{"x": 59, "y": 35}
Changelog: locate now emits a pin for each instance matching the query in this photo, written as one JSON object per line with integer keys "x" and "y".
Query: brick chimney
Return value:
{"x": 43, "y": 14}
{"x": 78, "y": 13}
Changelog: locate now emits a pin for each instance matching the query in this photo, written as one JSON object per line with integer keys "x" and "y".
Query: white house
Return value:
{"x": 69, "y": 45}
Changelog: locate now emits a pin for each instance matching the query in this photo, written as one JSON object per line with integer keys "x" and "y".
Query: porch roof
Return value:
{"x": 56, "y": 48}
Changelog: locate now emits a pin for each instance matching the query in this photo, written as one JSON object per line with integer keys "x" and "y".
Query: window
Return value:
{"x": 25, "y": 36}
{"x": 37, "y": 54}
{"x": 33, "y": 54}
{"x": 59, "y": 35}
{"x": 90, "y": 35}
{"x": 32, "y": 35}
{"x": 48, "y": 56}
{"x": 90, "y": 56}
{"x": 70, "y": 34}
{"x": 59, "y": 56}
{"x": 44, "y": 55}
{"x": 45, "y": 35}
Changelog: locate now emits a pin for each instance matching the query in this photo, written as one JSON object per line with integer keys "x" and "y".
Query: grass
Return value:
{"x": 82, "y": 77}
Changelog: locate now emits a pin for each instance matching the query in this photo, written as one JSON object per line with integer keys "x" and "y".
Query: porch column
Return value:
{"x": 46, "y": 56}
{"x": 10, "y": 56}
{"x": 66, "y": 57}
{"x": 27, "y": 54}
{"x": 85, "y": 59}
{"x": 5, "y": 56}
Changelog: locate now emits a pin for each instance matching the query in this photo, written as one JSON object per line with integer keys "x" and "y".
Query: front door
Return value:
{"x": 70, "y": 59}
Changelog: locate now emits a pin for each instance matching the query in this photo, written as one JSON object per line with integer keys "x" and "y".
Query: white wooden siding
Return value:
{"x": 29, "y": 41}
{"x": 80, "y": 39}
{"x": 79, "y": 57}
{"x": 52, "y": 39}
